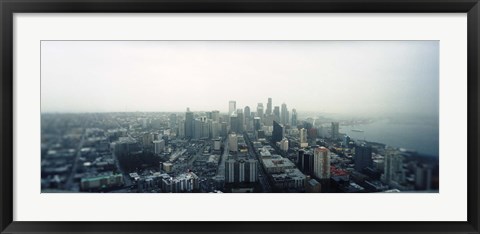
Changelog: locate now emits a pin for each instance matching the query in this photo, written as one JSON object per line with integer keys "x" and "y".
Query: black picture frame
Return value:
{"x": 9, "y": 7}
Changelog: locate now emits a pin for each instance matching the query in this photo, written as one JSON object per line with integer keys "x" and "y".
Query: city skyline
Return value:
{"x": 239, "y": 116}
{"x": 106, "y": 76}
{"x": 222, "y": 153}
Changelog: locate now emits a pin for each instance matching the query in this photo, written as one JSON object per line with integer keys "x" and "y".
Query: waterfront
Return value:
{"x": 420, "y": 135}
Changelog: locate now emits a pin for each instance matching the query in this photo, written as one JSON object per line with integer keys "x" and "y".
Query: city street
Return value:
{"x": 262, "y": 176}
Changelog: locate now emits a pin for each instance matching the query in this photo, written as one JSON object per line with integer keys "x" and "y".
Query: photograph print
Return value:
{"x": 239, "y": 116}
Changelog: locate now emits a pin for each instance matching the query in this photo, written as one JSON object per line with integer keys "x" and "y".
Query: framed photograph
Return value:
{"x": 239, "y": 116}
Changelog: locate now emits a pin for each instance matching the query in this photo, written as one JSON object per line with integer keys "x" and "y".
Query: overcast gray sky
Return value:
{"x": 345, "y": 77}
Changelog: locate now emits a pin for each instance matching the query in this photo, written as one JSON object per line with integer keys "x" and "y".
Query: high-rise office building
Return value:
{"x": 246, "y": 111}
{"x": 294, "y": 117}
{"x": 234, "y": 123}
{"x": 346, "y": 141}
{"x": 230, "y": 170}
{"x": 321, "y": 163}
{"x": 363, "y": 157}
{"x": 208, "y": 114}
{"x": 240, "y": 171}
{"x": 276, "y": 113}
{"x": 303, "y": 138}
{"x": 223, "y": 129}
{"x": 260, "y": 110}
{"x": 189, "y": 124}
{"x": 269, "y": 107}
{"x": 216, "y": 115}
{"x": 251, "y": 171}
{"x": 159, "y": 146}
{"x": 284, "y": 144}
{"x": 260, "y": 134}
{"x": 125, "y": 146}
{"x": 305, "y": 162}
{"x": 147, "y": 140}
{"x": 277, "y": 133}
{"x": 206, "y": 127}
{"x": 215, "y": 129}
{"x": 334, "y": 131}
{"x": 232, "y": 106}
{"x": 217, "y": 144}
{"x": 181, "y": 129}
{"x": 201, "y": 128}
{"x": 198, "y": 129}
{"x": 423, "y": 177}
{"x": 268, "y": 120}
{"x": 173, "y": 121}
{"x": 233, "y": 142}
{"x": 393, "y": 167}
{"x": 284, "y": 114}
{"x": 241, "y": 120}
{"x": 248, "y": 119}
{"x": 257, "y": 123}
{"x": 300, "y": 158}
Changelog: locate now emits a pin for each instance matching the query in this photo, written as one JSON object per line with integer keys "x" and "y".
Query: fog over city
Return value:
{"x": 344, "y": 77}
{"x": 240, "y": 116}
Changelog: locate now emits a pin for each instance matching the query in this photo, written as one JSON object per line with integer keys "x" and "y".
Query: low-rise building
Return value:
{"x": 102, "y": 181}
{"x": 290, "y": 179}
{"x": 277, "y": 165}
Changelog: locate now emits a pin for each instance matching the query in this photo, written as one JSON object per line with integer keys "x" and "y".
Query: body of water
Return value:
{"x": 421, "y": 136}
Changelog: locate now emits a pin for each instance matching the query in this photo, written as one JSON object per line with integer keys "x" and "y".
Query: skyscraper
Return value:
{"x": 260, "y": 110}
{"x": 147, "y": 140}
{"x": 159, "y": 146}
{"x": 246, "y": 111}
{"x": 232, "y": 106}
{"x": 305, "y": 162}
{"x": 300, "y": 159}
{"x": 294, "y": 117}
{"x": 248, "y": 120}
{"x": 321, "y": 163}
{"x": 269, "y": 107}
{"x": 241, "y": 121}
{"x": 303, "y": 138}
{"x": 189, "y": 121}
{"x": 239, "y": 171}
{"x": 233, "y": 142}
{"x": 181, "y": 129}
{"x": 284, "y": 144}
{"x": 423, "y": 177}
{"x": 234, "y": 123}
{"x": 394, "y": 173}
{"x": 276, "y": 113}
{"x": 268, "y": 120}
{"x": 363, "y": 157}
{"x": 251, "y": 171}
{"x": 206, "y": 126}
{"x": 209, "y": 115}
{"x": 284, "y": 114}
{"x": 215, "y": 129}
{"x": 277, "y": 133}
{"x": 346, "y": 141}
{"x": 197, "y": 129}
{"x": 334, "y": 132}
{"x": 223, "y": 129}
{"x": 256, "y": 123}
{"x": 216, "y": 115}
{"x": 173, "y": 121}
{"x": 230, "y": 170}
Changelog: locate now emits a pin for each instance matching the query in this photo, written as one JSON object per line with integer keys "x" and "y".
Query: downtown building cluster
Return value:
{"x": 268, "y": 148}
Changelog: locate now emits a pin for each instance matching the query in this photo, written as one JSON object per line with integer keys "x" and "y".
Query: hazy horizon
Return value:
{"x": 342, "y": 77}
